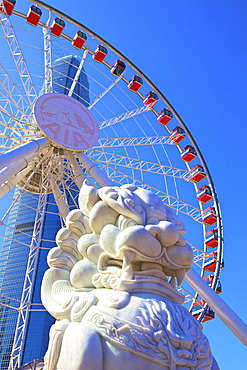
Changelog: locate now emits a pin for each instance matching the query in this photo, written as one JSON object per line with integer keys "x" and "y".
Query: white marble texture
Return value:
{"x": 112, "y": 283}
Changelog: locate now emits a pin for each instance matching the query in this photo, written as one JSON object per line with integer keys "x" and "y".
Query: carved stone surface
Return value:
{"x": 112, "y": 283}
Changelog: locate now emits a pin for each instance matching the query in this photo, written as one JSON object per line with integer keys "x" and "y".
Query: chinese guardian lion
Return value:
{"x": 112, "y": 283}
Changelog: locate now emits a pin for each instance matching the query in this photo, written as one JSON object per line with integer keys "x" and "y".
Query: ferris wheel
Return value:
{"x": 54, "y": 71}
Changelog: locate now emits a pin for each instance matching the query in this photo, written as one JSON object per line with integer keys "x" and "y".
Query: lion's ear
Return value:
{"x": 87, "y": 198}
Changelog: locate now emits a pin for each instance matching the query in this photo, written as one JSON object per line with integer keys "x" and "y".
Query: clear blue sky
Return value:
{"x": 195, "y": 52}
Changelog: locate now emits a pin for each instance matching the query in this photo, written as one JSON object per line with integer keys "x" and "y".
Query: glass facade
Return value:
{"x": 18, "y": 236}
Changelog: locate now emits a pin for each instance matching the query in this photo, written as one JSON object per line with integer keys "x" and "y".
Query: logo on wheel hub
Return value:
{"x": 66, "y": 121}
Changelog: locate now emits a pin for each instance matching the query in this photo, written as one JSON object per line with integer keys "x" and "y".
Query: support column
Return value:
{"x": 60, "y": 199}
{"x": 15, "y": 168}
{"x": 79, "y": 175}
{"x": 34, "y": 146}
{"x": 227, "y": 315}
{"x": 94, "y": 170}
{"x": 8, "y": 186}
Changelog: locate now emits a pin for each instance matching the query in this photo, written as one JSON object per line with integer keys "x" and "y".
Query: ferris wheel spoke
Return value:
{"x": 60, "y": 199}
{"x": 26, "y": 182}
{"x": 124, "y": 116}
{"x": 79, "y": 175}
{"x": 94, "y": 170}
{"x": 19, "y": 59}
{"x": 104, "y": 92}
{"x": 47, "y": 57}
{"x": 133, "y": 141}
{"x": 14, "y": 97}
{"x": 138, "y": 164}
{"x": 177, "y": 204}
{"x": 78, "y": 72}
{"x": 12, "y": 117}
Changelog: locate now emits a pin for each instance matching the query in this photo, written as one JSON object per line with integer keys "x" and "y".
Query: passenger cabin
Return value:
{"x": 135, "y": 83}
{"x": 100, "y": 53}
{"x": 204, "y": 194}
{"x": 210, "y": 262}
{"x": 79, "y": 40}
{"x": 197, "y": 173}
{"x": 177, "y": 134}
{"x": 209, "y": 216}
{"x": 118, "y": 68}
{"x": 209, "y": 280}
{"x": 211, "y": 238}
{"x": 198, "y": 308}
{"x": 165, "y": 116}
{"x": 57, "y": 27}
{"x": 151, "y": 98}
{"x": 188, "y": 153}
{"x": 33, "y": 15}
{"x": 9, "y": 6}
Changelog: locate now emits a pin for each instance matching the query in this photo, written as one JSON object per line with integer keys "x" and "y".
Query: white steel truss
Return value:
{"x": 18, "y": 58}
{"x": 124, "y": 116}
{"x": 177, "y": 204}
{"x": 28, "y": 286}
{"x": 47, "y": 57}
{"x": 139, "y": 164}
{"x": 78, "y": 72}
{"x": 132, "y": 141}
{"x": 105, "y": 92}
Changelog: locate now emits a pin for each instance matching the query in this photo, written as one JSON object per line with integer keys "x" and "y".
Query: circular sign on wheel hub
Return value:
{"x": 66, "y": 121}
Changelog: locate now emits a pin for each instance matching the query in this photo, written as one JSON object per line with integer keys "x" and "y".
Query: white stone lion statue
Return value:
{"x": 112, "y": 283}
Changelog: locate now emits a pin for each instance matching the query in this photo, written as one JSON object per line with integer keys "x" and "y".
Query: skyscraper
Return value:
{"x": 15, "y": 253}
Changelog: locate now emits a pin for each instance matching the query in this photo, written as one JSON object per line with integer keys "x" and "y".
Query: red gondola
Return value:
{"x": 209, "y": 216}
{"x": 165, "y": 116}
{"x": 188, "y": 153}
{"x": 57, "y": 27}
{"x": 209, "y": 280}
{"x": 135, "y": 83}
{"x": 150, "y": 98}
{"x": 197, "y": 173}
{"x": 177, "y": 134}
{"x": 210, "y": 262}
{"x": 79, "y": 39}
{"x": 9, "y": 6}
{"x": 211, "y": 238}
{"x": 204, "y": 194}
{"x": 198, "y": 308}
{"x": 100, "y": 53}
{"x": 118, "y": 68}
{"x": 33, "y": 15}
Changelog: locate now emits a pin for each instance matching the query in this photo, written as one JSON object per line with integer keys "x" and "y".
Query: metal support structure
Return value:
{"x": 25, "y": 304}
{"x": 19, "y": 59}
{"x": 138, "y": 164}
{"x": 79, "y": 176}
{"x": 121, "y": 117}
{"x": 15, "y": 168}
{"x": 11, "y": 89}
{"x": 8, "y": 185}
{"x": 132, "y": 141}
{"x": 94, "y": 170}
{"x": 47, "y": 57}
{"x": 34, "y": 146}
{"x": 78, "y": 72}
{"x": 105, "y": 92}
{"x": 227, "y": 315}
{"x": 60, "y": 199}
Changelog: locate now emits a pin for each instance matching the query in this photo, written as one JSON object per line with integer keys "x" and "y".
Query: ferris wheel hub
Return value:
{"x": 66, "y": 122}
